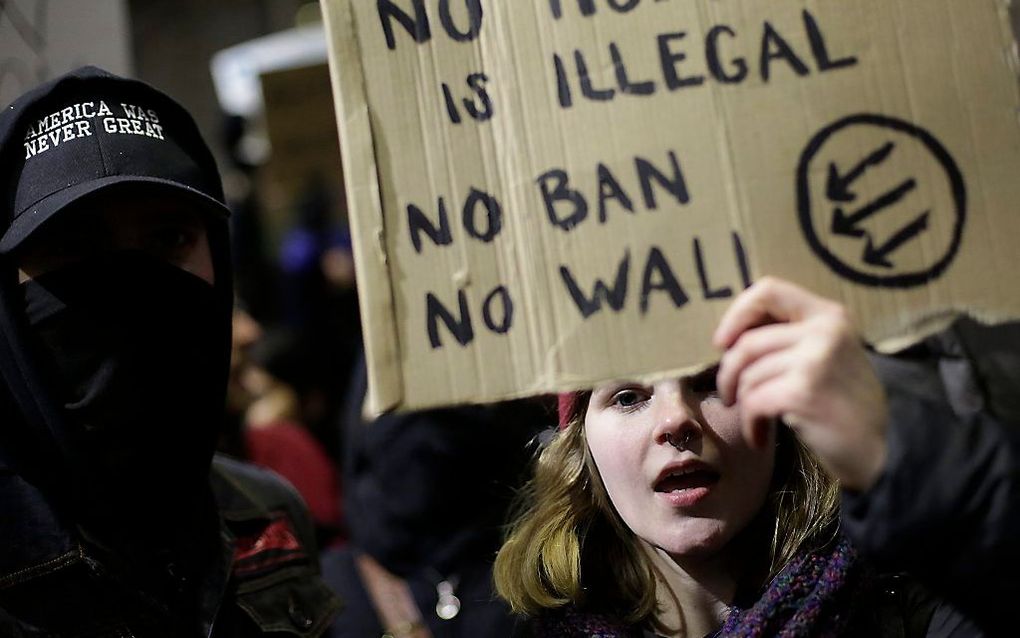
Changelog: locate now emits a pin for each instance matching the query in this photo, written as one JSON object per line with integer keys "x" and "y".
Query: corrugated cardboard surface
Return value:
{"x": 868, "y": 150}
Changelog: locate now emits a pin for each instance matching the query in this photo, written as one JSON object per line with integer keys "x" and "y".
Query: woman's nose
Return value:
{"x": 676, "y": 421}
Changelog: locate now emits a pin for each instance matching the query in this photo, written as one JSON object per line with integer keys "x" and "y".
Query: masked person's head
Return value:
{"x": 640, "y": 472}
{"x": 116, "y": 288}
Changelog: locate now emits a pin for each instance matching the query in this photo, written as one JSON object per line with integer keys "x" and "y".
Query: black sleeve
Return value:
{"x": 947, "y": 507}
{"x": 946, "y": 622}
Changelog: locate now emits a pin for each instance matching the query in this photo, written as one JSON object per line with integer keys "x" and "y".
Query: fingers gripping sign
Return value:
{"x": 793, "y": 355}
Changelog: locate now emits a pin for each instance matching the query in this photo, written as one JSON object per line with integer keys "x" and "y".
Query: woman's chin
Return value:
{"x": 693, "y": 544}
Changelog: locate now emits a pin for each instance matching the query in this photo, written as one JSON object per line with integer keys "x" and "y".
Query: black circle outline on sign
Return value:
{"x": 959, "y": 189}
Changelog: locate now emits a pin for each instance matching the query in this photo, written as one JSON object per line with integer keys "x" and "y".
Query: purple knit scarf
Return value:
{"x": 813, "y": 596}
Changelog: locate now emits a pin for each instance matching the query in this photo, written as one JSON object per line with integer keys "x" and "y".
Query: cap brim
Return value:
{"x": 42, "y": 211}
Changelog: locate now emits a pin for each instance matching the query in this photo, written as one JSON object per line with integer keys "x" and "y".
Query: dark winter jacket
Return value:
{"x": 947, "y": 507}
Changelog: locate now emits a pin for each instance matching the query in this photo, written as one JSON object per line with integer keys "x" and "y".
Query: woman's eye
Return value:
{"x": 629, "y": 399}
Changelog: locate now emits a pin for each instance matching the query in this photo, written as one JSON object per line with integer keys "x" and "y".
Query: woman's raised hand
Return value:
{"x": 795, "y": 355}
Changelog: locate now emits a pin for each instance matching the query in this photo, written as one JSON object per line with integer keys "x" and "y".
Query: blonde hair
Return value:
{"x": 566, "y": 545}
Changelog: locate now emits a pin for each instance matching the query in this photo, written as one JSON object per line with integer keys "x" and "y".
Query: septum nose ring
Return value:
{"x": 682, "y": 444}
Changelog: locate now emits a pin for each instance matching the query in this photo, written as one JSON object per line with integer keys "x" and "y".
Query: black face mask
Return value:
{"x": 136, "y": 351}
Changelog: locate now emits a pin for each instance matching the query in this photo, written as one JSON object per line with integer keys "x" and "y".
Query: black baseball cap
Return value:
{"x": 88, "y": 131}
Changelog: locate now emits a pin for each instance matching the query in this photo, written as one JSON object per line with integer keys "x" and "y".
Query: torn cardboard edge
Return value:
{"x": 375, "y": 292}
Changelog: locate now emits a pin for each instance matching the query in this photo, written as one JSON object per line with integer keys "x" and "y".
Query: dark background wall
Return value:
{"x": 173, "y": 41}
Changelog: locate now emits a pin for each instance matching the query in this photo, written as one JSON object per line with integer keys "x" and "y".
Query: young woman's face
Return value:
{"x": 675, "y": 465}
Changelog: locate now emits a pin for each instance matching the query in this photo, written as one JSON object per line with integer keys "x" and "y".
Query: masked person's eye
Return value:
{"x": 172, "y": 242}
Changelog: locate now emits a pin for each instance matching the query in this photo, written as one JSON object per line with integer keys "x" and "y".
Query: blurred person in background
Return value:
{"x": 115, "y": 313}
{"x": 320, "y": 307}
{"x": 255, "y": 274}
{"x": 426, "y": 495}
{"x": 264, "y": 422}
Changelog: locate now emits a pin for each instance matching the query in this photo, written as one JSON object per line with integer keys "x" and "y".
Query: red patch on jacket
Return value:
{"x": 275, "y": 545}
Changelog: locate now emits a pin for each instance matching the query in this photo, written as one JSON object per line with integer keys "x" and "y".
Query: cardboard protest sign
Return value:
{"x": 548, "y": 194}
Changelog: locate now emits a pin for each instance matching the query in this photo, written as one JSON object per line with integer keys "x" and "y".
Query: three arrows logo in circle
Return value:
{"x": 836, "y": 218}
{"x": 849, "y": 225}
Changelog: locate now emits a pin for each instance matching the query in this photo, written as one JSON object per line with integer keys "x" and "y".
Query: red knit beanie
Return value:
{"x": 569, "y": 404}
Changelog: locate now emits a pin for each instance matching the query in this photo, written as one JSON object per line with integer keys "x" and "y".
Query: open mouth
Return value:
{"x": 682, "y": 480}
